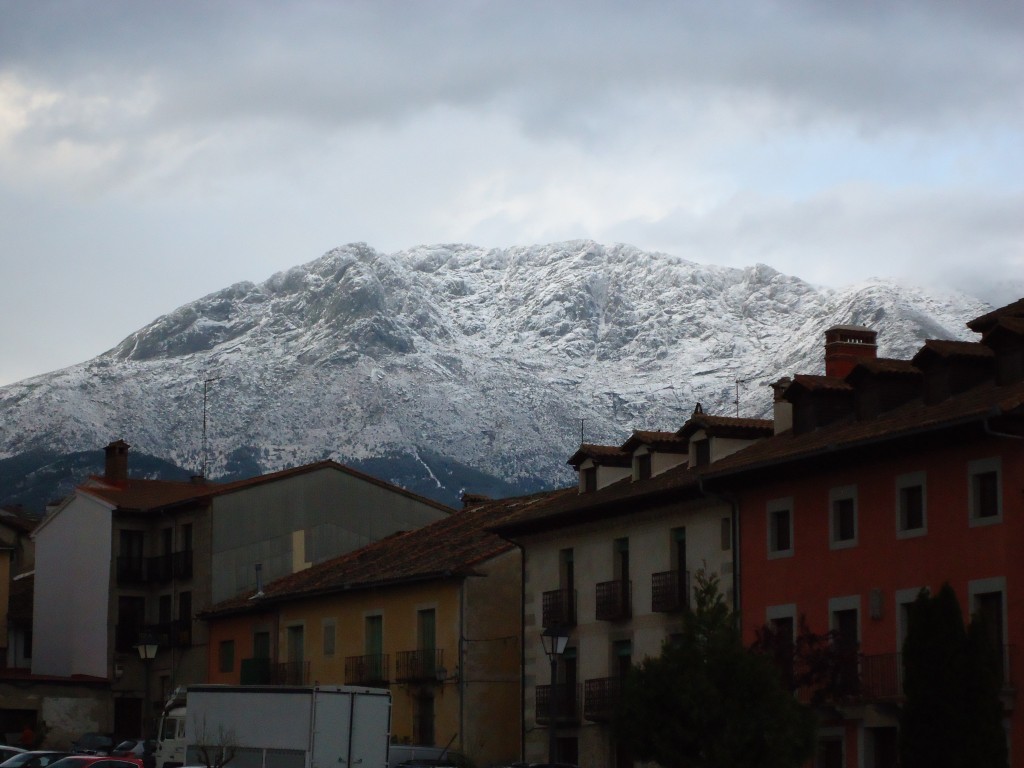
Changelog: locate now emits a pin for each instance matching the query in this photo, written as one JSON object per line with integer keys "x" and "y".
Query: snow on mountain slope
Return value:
{"x": 489, "y": 357}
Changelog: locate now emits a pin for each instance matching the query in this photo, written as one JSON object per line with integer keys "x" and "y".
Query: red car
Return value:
{"x": 97, "y": 761}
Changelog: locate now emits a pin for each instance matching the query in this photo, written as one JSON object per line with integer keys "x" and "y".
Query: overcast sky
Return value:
{"x": 154, "y": 152}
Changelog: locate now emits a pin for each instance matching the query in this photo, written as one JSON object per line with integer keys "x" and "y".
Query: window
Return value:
{"x": 844, "y": 613}
{"x": 426, "y": 630}
{"x": 911, "y": 517}
{"x": 589, "y": 479}
{"x": 843, "y": 516}
{"x": 164, "y": 611}
{"x": 622, "y": 559}
{"x": 985, "y": 491}
{"x": 186, "y": 537}
{"x": 726, "y": 534}
{"x": 904, "y": 599}
{"x": 261, "y": 645}
{"x": 988, "y": 605}
{"x": 703, "y": 452}
{"x": 329, "y": 636}
{"x": 226, "y": 655}
{"x": 643, "y": 466}
{"x": 780, "y": 528}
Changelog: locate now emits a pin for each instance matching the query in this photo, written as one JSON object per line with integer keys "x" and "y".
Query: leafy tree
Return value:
{"x": 951, "y": 677}
{"x": 818, "y": 663}
{"x": 708, "y": 702}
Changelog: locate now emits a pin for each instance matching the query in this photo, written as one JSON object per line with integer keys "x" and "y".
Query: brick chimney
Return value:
{"x": 116, "y": 466}
{"x": 782, "y": 411}
{"x": 847, "y": 345}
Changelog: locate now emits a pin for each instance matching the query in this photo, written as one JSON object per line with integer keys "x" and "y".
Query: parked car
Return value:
{"x": 144, "y": 749}
{"x": 96, "y": 761}
{"x": 35, "y": 758}
{"x": 92, "y": 744}
{"x": 7, "y": 752}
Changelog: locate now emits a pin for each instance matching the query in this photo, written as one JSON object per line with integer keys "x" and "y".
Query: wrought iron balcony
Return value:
{"x": 559, "y": 608}
{"x": 369, "y": 670}
{"x": 291, "y": 673}
{"x": 562, "y": 699}
{"x": 131, "y": 570}
{"x": 600, "y": 697}
{"x": 670, "y": 591}
{"x": 422, "y": 666}
{"x": 613, "y": 602}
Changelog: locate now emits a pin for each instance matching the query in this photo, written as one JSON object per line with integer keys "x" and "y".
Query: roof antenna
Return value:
{"x": 582, "y": 421}
{"x": 736, "y": 402}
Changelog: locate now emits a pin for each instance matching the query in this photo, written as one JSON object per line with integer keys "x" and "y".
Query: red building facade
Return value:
{"x": 888, "y": 478}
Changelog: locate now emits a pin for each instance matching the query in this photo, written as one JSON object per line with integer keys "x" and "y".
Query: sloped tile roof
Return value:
{"x": 665, "y": 442}
{"x": 726, "y": 426}
{"x": 814, "y": 383}
{"x": 946, "y": 349}
{"x": 449, "y": 547}
{"x": 137, "y": 495}
{"x": 607, "y": 455}
{"x": 140, "y": 495}
{"x": 973, "y": 406}
{"x": 886, "y": 366}
{"x": 986, "y": 321}
{"x": 626, "y": 495}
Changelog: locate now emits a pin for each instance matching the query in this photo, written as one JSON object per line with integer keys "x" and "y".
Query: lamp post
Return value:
{"x": 554, "y": 639}
{"x": 147, "y": 648}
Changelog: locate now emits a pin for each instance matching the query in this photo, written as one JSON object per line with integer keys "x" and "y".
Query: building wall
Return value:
{"x": 335, "y": 512}
{"x": 886, "y": 567}
{"x": 491, "y": 665}
{"x": 72, "y": 586}
{"x": 650, "y": 536}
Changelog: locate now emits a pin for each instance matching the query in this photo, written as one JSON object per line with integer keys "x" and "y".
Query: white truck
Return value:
{"x": 277, "y": 727}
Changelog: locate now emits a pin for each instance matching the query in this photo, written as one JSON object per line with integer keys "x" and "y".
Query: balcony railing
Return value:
{"x": 131, "y": 570}
{"x": 600, "y": 697}
{"x": 670, "y": 591}
{"x": 881, "y": 677}
{"x": 613, "y": 600}
{"x": 369, "y": 670}
{"x": 291, "y": 673}
{"x": 159, "y": 569}
{"x": 256, "y": 671}
{"x": 566, "y": 706}
{"x": 559, "y": 608}
{"x": 420, "y": 666}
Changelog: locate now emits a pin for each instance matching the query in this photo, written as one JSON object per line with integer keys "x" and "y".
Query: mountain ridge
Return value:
{"x": 486, "y": 358}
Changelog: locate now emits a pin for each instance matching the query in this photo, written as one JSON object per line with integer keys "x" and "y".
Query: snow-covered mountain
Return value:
{"x": 490, "y": 359}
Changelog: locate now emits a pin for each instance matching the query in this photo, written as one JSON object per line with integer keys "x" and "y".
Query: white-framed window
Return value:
{"x": 842, "y": 517}
{"x": 987, "y": 599}
{"x": 985, "y": 491}
{"x": 831, "y": 749}
{"x": 911, "y": 505}
{"x": 904, "y": 599}
{"x": 780, "y": 527}
{"x": 330, "y": 634}
{"x": 782, "y": 620}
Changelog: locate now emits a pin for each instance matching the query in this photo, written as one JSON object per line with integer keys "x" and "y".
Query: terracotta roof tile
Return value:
{"x": 986, "y": 321}
{"x": 973, "y": 406}
{"x": 814, "y": 383}
{"x": 452, "y": 546}
{"x": 887, "y": 366}
{"x": 137, "y": 495}
{"x": 666, "y": 442}
{"x": 945, "y": 348}
{"x": 726, "y": 426}
{"x": 608, "y": 455}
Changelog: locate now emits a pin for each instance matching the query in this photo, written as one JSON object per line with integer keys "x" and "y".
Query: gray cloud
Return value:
{"x": 152, "y": 152}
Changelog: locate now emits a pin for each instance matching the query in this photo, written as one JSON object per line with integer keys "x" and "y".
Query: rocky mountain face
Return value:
{"x": 452, "y": 366}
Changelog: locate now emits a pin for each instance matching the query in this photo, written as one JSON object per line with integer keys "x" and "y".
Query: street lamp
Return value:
{"x": 554, "y": 639}
{"x": 147, "y": 648}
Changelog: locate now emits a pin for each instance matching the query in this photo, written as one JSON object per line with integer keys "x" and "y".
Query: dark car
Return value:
{"x": 92, "y": 744}
{"x": 96, "y": 761}
{"x": 34, "y": 759}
